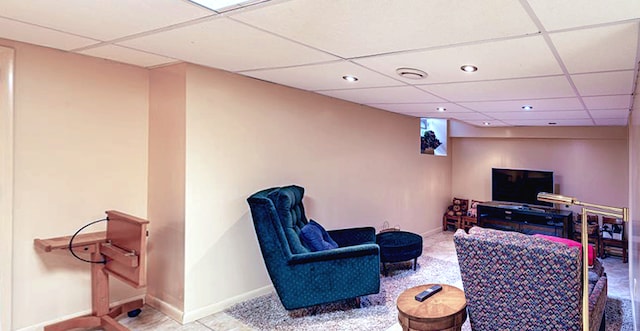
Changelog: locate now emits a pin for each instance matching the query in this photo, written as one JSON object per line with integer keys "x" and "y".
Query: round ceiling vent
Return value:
{"x": 411, "y": 73}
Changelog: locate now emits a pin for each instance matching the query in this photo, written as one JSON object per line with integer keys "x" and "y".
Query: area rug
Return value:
{"x": 618, "y": 314}
{"x": 378, "y": 312}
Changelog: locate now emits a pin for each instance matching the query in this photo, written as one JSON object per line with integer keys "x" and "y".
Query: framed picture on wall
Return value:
{"x": 433, "y": 136}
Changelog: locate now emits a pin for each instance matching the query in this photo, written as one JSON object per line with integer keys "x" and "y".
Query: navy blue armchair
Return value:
{"x": 304, "y": 278}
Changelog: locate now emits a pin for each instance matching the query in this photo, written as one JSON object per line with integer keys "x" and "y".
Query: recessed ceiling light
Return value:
{"x": 486, "y": 123}
{"x": 411, "y": 73}
{"x": 469, "y": 68}
{"x": 441, "y": 108}
{"x": 350, "y": 78}
{"x": 527, "y": 107}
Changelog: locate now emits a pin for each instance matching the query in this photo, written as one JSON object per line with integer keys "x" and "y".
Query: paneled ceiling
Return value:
{"x": 574, "y": 61}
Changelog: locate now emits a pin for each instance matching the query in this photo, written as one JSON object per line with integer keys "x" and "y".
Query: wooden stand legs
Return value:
{"x": 101, "y": 315}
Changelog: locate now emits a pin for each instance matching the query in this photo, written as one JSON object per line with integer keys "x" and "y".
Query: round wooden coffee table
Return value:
{"x": 445, "y": 310}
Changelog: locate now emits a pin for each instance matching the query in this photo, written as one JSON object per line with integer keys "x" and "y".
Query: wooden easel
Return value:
{"x": 123, "y": 245}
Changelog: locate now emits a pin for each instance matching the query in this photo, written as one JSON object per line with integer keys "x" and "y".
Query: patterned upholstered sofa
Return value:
{"x": 514, "y": 281}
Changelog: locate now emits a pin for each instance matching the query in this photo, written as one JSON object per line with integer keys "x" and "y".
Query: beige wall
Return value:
{"x": 81, "y": 131}
{"x": 6, "y": 184}
{"x": 80, "y": 149}
{"x": 634, "y": 205}
{"x": 594, "y": 170}
{"x": 600, "y": 165}
{"x": 359, "y": 167}
{"x": 166, "y": 245}
{"x": 82, "y": 127}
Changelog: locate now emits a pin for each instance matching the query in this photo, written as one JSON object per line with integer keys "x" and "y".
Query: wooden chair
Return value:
{"x": 455, "y": 212}
{"x": 467, "y": 222}
{"x": 610, "y": 240}
{"x": 593, "y": 232}
{"x": 450, "y": 220}
{"x": 471, "y": 219}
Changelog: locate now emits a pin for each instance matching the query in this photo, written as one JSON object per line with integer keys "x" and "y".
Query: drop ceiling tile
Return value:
{"x": 608, "y": 102}
{"x": 492, "y": 123}
{"x": 324, "y": 76}
{"x": 512, "y": 89}
{"x": 471, "y": 116}
{"x": 606, "y": 83}
{"x": 103, "y": 20}
{"x": 428, "y": 115}
{"x": 609, "y": 113}
{"x": 612, "y": 121}
{"x": 127, "y": 55}
{"x": 246, "y": 48}
{"x": 375, "y": 95}
{"x": 436, "y": 36}
{"x": 34, "y": 34}
{"x": 602, "y": 48}
{"x": 362, "y": 27}
{"x": 421, "y": 107}
{"x": 532, "y": 115}
{"x": 564, "y": 14}
{"x": 516, "y": 105}
{"x": 432, "y": 115}
{"x": 495, "y": 60}
{"x": 544, "y": 122}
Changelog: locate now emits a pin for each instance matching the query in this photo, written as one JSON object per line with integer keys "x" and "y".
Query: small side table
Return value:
{"x": 445, "y": 310}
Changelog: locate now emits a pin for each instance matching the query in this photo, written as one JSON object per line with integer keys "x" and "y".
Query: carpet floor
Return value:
{"x": 378, "y": 312}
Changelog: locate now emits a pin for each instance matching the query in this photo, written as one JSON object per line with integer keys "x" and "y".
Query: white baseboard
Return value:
{"x": 193, "y": 315}
{"x": 40, "y": 326}
{"x": 430, "y": 232}
{"x": 187, "y": 317}
{"x": 165, "y": 308}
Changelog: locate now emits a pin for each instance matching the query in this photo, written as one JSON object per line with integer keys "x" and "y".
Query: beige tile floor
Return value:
{"x": 439, "y": 245}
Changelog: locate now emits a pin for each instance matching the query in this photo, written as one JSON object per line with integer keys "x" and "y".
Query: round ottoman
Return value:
{"x": 398, "y": 246}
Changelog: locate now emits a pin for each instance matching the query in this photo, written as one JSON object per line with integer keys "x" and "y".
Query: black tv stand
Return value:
{"x": 525, "y": 219}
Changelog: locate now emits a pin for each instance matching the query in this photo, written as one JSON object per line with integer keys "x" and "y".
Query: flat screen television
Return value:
{"x": 520, "y": 185}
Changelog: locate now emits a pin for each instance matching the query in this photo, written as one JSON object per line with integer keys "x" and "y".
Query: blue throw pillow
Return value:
{"x": 316, "y": 237}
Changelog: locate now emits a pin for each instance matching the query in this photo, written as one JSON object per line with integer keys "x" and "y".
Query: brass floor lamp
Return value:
{"x": 616, "y": 212}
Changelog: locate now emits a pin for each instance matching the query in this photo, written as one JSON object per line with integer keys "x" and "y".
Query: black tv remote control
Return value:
{"x": 428, "y": 292}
